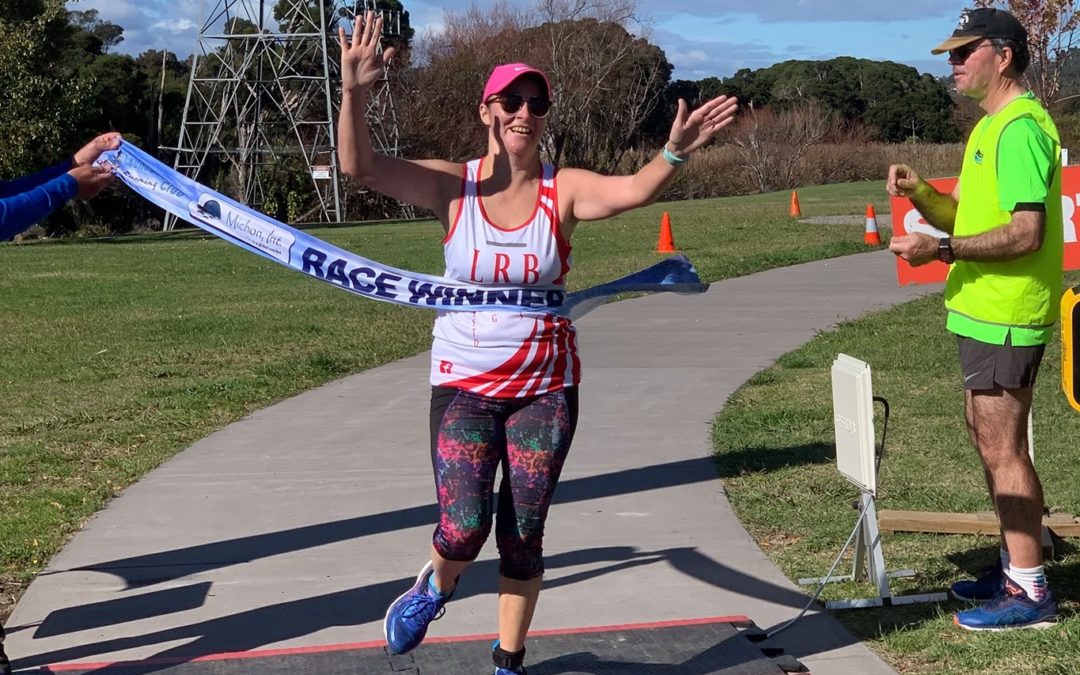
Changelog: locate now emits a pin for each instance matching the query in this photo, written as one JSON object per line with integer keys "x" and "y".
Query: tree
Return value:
{"x": 42, "y": 105}
{"x": 120, "y": 92}
{"x": 772, "y": 144}
{"x": 437, "y": 110}
{"x": 607, "y": 82}
{"x": 892, "y": 98}
{"x": 110, "y": 35}
{"x": 751, "y": 87}
{"x": 107, "y": 33}
{"x": 168, "y": 80}
{"x": 1052, "y": 31}
{"x": 658, "y": 124}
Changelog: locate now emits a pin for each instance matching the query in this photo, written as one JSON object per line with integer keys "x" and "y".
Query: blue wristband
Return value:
{"x": 673, "y": 159}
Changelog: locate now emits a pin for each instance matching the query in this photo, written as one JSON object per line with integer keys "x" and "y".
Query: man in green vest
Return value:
{"x": 1005, "y": 254}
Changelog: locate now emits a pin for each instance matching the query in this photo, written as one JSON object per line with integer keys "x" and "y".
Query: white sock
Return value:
{"x": 1031, "y": 579}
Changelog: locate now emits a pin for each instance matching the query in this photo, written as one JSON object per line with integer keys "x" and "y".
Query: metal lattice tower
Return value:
{"x": 264, "y": 94}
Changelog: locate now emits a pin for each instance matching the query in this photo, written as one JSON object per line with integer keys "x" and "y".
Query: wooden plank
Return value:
{"x": 984, "y": 522}
{"x": 936, "y": 521}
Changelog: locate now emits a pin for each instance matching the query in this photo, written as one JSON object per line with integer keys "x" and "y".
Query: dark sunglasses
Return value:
{"x": 961, "y": 54}
{"x": 539, "y": 106}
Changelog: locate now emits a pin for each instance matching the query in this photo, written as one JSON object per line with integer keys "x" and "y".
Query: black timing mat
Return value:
{"x": 728, "y": 646}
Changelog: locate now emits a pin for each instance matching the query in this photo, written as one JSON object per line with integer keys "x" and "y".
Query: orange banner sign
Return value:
{"x": 906, "y": 219}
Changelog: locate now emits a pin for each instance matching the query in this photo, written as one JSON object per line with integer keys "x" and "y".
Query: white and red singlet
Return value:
{"x": 499, "y": 353}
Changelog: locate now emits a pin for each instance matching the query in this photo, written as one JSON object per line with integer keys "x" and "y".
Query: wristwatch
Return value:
{"x": 944, "y": 250}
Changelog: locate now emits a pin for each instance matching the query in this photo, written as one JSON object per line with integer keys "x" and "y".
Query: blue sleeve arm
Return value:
{"x": 27, "y": 183}
{"x": 20, "y": 211}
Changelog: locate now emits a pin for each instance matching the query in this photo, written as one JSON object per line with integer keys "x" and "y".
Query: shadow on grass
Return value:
{"x": 875, "y": 623}
{"x": 1063, "y": 573}
{"x": 758, "y": 460}
{"x": 974, "y": 560}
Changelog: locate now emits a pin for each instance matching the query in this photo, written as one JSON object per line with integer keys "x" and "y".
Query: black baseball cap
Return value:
{"x": 983, "y": 22}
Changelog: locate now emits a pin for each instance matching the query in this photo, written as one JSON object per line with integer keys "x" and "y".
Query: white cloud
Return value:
{"x": 814, "y": 11}
{"x": 697, "y": 59}
{"x": 695, "y": 56}
{"x": 176, "y": 25}
{"x": 152, "y": 24}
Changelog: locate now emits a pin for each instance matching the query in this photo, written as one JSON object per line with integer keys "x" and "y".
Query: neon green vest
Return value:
{"x": 990, "y": 301}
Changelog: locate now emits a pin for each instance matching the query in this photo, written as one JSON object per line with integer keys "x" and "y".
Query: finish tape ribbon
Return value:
{"x": 221, "y": 216}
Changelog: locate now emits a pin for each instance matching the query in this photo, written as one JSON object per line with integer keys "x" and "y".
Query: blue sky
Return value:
{"x": 700, "y": 37}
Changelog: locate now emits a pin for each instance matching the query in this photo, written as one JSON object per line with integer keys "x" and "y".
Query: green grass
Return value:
{"x": 774, "y": 449}
{"x": 118, "y": 353}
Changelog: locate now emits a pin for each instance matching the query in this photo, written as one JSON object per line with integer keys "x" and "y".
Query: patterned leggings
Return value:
{"x": 471, "y": 436}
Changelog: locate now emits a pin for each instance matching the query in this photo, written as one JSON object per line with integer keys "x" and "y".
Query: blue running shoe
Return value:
{"x": 986, "y": 587}
{"x": 408, "y": 617}
{"x": 1012, "y": 608}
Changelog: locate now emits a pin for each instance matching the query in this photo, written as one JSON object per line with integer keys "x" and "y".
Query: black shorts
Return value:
{"x": 986, "y": 366}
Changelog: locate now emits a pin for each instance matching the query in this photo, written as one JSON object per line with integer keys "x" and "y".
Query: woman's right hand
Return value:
{"x": 361, "y": 63}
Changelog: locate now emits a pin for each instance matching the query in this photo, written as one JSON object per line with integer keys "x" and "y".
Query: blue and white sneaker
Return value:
{"x": 986, "y": 587}
{"x": 1012, "y": 608}
{"x": 408, "y": 617}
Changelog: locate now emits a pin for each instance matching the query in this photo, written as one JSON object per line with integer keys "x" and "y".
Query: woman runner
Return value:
{"x": 504, "y": 386}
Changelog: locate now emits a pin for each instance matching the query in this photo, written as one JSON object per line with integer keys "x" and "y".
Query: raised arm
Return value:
{"x": 429, "y": 184}
{"x": 938, "y": 208}
{"x": 594, "y": 197}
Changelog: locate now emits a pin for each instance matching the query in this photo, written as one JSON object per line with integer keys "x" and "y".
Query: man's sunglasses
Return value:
{"x": 961, "y": 54}
{"x": 538, "y": 106}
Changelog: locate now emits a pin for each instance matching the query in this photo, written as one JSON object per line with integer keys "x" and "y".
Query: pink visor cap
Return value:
{"x": 503, "y": 76}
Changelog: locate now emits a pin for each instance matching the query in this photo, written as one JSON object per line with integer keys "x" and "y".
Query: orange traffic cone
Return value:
{"x": 794, "y": 210}
{"x": 667, "y": 242}
{"x": 871, "y": 237}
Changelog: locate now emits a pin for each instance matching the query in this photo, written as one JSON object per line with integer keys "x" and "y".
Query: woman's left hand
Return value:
{"x": 691, "y": 131}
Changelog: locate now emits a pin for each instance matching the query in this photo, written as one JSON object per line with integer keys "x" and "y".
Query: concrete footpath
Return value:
{"x": 296, "y": 526}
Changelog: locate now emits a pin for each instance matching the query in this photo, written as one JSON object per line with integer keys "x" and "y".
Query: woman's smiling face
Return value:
{"x": 520, "y": 130}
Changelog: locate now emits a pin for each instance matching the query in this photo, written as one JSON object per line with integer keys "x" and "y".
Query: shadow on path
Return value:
{"x": 170, "y": 565}
{"x": 250, "y": 630}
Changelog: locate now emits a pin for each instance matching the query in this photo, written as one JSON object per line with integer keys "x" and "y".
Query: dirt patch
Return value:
{"x": 10, "y": 590}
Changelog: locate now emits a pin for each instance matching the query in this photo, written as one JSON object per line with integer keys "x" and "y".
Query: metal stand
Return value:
{"x": 857, "y": 458}
{"x": 869, "y": 563}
